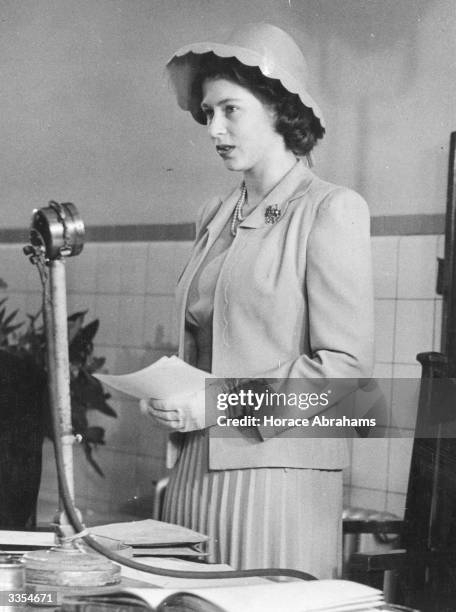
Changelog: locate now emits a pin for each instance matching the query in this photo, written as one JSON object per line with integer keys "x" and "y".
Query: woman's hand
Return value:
{"x": 192, "y": 411}
{"x": 178, "y": 412}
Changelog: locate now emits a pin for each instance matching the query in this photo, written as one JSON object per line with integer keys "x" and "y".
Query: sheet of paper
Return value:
{"x": 167, "y": 376}
{"x": 46, "y": 539}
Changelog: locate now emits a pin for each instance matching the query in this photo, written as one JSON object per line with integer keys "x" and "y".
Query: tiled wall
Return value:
{"x": 408, "y": 319}
{"x": 129, "y": 287}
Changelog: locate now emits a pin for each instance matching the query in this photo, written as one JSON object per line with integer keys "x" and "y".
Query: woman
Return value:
{"x": 278, "y": 285}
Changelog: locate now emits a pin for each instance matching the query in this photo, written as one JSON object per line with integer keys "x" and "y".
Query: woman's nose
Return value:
{"x": 216, "y": 125}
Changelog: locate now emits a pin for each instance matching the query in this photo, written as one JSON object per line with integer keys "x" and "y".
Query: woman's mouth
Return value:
{"x": 224, "y": 150}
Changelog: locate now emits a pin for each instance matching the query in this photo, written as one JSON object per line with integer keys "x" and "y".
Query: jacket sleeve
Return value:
{"x": 339, "y": 291}
{"x": 339, "y": 294}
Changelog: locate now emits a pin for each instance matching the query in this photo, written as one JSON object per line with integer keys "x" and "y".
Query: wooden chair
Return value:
{"x": 424, "y": 569}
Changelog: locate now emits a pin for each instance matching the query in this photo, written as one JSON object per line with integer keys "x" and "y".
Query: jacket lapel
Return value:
{"x": 274, "y": 206}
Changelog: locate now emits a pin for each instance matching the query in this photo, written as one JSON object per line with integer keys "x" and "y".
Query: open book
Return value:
{"x": 296, "y": 596}
{"x": 167, "y": 376}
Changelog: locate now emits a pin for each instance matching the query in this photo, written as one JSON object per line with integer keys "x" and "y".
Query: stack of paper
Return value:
{"x": 155, "y": 538}
{"x": 26, "y": 540}
{"x": 167, "y": 376}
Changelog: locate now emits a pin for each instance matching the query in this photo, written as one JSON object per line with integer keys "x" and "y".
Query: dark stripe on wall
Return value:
{"x": 395, "y": 225}
{"x": 157, "y": 232}
{"x": 407, "y": 225}
{"x": 176, "y": 232}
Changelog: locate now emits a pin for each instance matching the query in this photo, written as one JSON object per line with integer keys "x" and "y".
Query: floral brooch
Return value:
{"x": 272, "y": 214}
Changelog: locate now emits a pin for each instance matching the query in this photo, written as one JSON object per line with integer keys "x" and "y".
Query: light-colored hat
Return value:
{"x": 262, "y": 45}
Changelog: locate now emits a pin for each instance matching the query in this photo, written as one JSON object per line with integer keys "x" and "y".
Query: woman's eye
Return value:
{"x": 230, "y": 109}
{"x": 208, "y": 113}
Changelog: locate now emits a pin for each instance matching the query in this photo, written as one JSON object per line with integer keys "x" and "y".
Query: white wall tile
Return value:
{"x": 182, "y": 254}
{"x": 151, "y": 440}
{"x": 347, "y": 496}
{"x": 383, "y": 374}
{"x": 385, "y": 315}
{"x": 107, "y": 311}
{"x": 79, "y": 302}
{"x": 120, "y": 433}
{"x": 395, "y": 503}
{"x": 81, "y": 468}
{"x": 383, "y": 370}
{"x": 129, "y": 359}
{"x": 346, "y": 474}
{"x": 417, "y": 276}
{"x": 406, "y": 388}
{"x": 131, "y": 320}
{"x": 81, "y": 271}
{"x": 122, "y": 479}
{"x": 109, "y": 259}
{"x": 166, "y": 262}
{"x": 16, "y": 270}
{"x": 148, "y": 471}
{"x": 407, "y": 370}
{"x": 368, "y": 498}
{"x": 160, "y": 275}
{"x": 414, "y": 329}
{"x": 98, "y": 487}
{"x": 160, "y": 326}
{"x": 370, "y": 463}
{"x": 399, "y": 464}
{"x": 34, "y": 302}
{"x": 134, "y": 259}
{"x": 385, "y": 264}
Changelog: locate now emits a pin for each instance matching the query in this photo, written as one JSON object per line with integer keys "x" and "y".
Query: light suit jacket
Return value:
{"x": 293, "y": 299}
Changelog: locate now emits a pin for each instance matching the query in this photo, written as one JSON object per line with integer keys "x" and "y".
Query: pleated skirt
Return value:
{"x": 261, "y": 517}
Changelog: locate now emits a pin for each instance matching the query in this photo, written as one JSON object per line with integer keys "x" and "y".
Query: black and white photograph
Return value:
{"x": 228, "y": 305}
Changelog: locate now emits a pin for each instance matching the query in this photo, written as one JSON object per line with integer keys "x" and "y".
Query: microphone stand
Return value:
{"x": 57, "y": 232}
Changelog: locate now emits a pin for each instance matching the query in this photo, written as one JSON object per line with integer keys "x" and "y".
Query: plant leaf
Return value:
{"x": 75, "y": 322}
{"x": 88, "y": 453}
{"x": 11, "y": 328}
{"x": 11, "y": 316}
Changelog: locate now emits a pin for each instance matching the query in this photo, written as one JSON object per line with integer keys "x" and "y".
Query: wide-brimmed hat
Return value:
{"x": 262, "y": 45}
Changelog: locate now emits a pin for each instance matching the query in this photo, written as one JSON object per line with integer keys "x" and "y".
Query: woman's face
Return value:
{"x": 240, "y": 125}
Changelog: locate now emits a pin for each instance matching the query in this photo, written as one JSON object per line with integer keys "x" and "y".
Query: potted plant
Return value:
{"x": 24, "y": 407}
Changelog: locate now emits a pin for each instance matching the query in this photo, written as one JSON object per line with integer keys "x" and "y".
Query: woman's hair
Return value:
{"x": 296, "y": 123}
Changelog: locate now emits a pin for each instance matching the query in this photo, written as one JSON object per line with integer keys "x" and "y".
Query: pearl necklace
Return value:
{"x": 237, "y": 212}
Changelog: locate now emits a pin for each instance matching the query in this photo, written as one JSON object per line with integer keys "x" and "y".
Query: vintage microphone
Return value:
{"x": 57, "y": 232}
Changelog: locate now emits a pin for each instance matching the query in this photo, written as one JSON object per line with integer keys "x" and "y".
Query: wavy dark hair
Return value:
{"x": 296, "y": 122}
